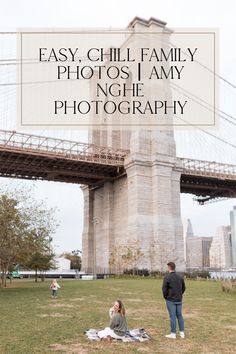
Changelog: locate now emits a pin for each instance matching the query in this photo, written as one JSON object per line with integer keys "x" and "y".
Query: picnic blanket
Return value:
{"x": 134, "y": 335}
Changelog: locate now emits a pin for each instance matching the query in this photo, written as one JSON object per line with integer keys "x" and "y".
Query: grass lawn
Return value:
{"x": 32, "y": 322}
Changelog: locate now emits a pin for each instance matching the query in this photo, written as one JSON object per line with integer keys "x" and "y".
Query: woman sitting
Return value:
{"x": 118, "y": 324}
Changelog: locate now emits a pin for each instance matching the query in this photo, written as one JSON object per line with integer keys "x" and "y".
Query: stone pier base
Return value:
{"x": 144, "y": 205}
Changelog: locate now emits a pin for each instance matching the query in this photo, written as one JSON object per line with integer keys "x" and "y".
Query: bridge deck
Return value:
{"x": 209, "y": 179}
{"x": 34, "y": 157}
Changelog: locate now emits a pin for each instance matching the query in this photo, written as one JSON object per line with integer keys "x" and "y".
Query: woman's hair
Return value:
{"x": 121, "y": 308}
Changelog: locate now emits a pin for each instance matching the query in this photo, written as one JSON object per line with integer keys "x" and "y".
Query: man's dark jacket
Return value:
{"x": 173, "y": 287}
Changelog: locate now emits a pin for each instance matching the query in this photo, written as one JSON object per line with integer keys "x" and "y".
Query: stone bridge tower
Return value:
{"x": 144, "y": 204}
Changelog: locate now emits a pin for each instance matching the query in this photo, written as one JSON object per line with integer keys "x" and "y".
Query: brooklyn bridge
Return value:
{"x": 131, "y": 180}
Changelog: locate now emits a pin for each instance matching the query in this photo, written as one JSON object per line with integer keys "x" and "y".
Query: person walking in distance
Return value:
{"x": 173, "y": 288}
{"x": 54, "y": 286}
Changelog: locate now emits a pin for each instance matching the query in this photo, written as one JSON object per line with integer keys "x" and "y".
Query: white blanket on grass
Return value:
{"x": 134, "y": 335}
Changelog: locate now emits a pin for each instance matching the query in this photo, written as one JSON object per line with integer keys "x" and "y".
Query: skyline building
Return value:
{"x": 233, "y": 234}
{"x": 196, "y": 248}
{"x": 221, "y": 249}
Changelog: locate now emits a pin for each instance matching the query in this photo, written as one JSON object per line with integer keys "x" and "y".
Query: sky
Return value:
{"x": 117, "y": 14}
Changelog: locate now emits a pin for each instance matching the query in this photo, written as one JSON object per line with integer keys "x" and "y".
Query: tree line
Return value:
{"x": 26, "y": 229}
{"x": 126, "y": 257}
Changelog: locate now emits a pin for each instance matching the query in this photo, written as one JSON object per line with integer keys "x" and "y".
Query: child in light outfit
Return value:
{"x": 118, "y": 324}
{"x": 54, "y": 287}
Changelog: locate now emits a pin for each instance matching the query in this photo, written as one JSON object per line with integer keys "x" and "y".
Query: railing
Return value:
{"x": 14, "y": 141}
{"x": 208, "y": 168}
{"x": 60, "y": 147}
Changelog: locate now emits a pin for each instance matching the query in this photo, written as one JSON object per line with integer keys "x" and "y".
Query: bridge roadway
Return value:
{"x": 34, "y": 157}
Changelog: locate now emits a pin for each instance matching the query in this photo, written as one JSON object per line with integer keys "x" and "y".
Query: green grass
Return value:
{"x": 31, "y": 322}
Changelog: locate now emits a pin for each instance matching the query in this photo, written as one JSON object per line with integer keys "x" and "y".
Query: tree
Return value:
{"x": 152, "y": 255}
{"x": 12, "y": 229}
{"x": 26, "y": 226}
{"x": 41, "y": 262}
{"x": 160, "y": 254}
{"x": 126, "y": 256}
{"x": 132, "y": 255}
{"x": 116, "y": 261}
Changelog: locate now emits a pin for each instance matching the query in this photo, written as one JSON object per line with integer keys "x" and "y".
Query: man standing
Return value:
{"x": 173, "y": 288}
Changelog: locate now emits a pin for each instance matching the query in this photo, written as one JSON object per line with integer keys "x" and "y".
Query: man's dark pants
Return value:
{"x": 175, "y": 310}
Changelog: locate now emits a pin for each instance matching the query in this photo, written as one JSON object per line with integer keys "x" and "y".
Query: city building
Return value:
{"x": 188, "y": 232}
{"x": 221, "y": 249}
{"x": 233, "y": 235}
{"x": 196, "y": 248}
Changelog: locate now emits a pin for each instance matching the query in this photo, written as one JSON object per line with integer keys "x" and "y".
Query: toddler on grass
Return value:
{"x": 54, "y": 288}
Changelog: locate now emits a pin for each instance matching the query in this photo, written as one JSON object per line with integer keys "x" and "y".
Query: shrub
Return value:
{"x": 157, "y": 274}
{"x": 227, "y": 285}
{"x": 138, "y": 272}
{"x": 197, "y": 274}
